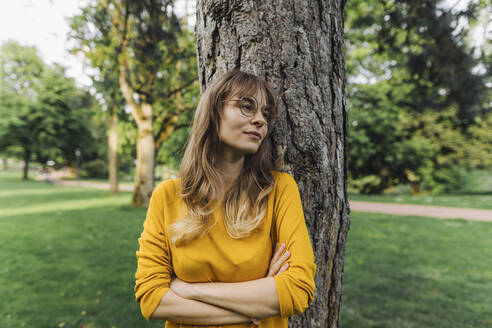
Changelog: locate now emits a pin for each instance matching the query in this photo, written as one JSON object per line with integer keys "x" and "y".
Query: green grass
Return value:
{"x": 465, "y": 200}
{"x": 417, "y": 272}
{"x": 68, "y": 260}
{"x": 68, "y": 256}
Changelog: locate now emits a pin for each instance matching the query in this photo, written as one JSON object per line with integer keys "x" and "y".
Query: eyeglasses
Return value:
{"x": 249, "y": 106}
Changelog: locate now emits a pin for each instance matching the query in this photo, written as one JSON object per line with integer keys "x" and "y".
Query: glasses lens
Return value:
{"x": 247, "y": 106}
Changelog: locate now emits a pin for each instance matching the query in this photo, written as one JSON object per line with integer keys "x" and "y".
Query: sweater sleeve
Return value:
{"x": 295, "y": 287}
{"x": 154, "y": 267}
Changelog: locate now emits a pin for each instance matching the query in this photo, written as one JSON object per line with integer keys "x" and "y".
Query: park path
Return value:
{"x": 357, "y": 206}
{"x": 440, "y": 212}
{"x": 89, "y": 184}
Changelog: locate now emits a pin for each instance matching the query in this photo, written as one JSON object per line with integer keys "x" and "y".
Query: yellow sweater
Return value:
{"x": 216, "y": 257}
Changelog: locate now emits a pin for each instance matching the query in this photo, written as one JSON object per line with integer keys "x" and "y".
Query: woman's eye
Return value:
{"x": 247, "y": 107}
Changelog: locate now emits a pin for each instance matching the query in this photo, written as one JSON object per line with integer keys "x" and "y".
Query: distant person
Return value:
{"x": 226, "y": 243}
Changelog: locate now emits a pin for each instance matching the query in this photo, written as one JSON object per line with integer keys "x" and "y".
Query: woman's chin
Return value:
{"x": 250, "y": 151}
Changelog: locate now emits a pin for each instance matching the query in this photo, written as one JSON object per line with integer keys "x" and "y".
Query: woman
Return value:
{"x": 226, "y": 243}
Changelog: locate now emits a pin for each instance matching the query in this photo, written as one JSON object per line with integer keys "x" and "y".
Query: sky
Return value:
{"x": 43, "y": 23}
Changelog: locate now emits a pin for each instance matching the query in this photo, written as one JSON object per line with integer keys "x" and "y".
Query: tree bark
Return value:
{"x": 298, "y": 47}
{"x": 113, "y": 152}
{"x": 144, "y": 175}
{"x": 27, "y": 158}
{"x": 143, "y": 116}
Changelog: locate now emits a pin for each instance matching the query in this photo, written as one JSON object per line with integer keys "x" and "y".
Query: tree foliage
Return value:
{"x": 417, "y": 102}
{"x": 44, "y": 114}
{"x": 156, "y": 70}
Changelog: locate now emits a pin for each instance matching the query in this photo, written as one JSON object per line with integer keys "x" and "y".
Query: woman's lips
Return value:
{"x": 253, "y": 135}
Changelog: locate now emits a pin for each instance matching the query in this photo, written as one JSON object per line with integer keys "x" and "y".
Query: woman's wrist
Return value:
{"x": 198, "y": 291}
{"x": 194, "y": 291}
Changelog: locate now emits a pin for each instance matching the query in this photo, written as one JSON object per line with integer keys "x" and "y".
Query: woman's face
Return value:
{"x": 241, "y": 134}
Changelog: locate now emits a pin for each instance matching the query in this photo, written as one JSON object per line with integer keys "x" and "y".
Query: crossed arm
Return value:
{"x": 224, "y": 303}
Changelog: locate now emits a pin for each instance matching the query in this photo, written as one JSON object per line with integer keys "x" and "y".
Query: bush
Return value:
{"x": 369, "y": 184}
{"x": 97, "y": 168}
{"x": 454, "y": 179}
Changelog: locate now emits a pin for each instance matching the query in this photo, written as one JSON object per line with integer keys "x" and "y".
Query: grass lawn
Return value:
{"x": 466, "y": 200}
{"x": 68, "y": 260}
{"x": 68, "y": 256}
{"x": 417, "y": 272}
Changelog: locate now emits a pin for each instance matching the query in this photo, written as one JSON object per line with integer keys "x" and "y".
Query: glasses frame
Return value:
{"x": 267, "y": 117}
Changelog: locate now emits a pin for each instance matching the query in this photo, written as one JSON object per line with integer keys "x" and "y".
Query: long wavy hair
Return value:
{"x": 202, "y": 190}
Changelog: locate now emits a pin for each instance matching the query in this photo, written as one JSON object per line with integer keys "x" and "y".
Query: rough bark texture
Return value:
{"x": 298, "y": 47}
{"x": 113, "y": 152}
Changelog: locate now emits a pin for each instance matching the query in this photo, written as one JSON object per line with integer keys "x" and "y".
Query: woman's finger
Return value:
{"x": 283, "y": 268}
{"x": 275, "y": 267}
{"x": 278, "y": 251}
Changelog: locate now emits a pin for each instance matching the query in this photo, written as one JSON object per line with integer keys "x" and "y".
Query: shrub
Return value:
{"x": 97, "y": 168}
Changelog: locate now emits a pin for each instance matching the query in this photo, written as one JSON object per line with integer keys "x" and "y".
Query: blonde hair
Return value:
{"x": 245, "y": 203}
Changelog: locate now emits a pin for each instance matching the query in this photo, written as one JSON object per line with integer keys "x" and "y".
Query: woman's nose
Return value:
{"x": 259, "y": 119}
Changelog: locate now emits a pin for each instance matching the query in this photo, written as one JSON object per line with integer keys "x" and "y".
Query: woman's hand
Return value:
{"x": 277, "y": 265}
{"x": 182, "y": 288}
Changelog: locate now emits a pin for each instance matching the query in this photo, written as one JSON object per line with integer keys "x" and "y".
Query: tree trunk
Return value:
{"x": 298, "y": 47}
{"x": 144, "y": 175}
{"x": 113, "y": 152}
{"x": 5, "y": 163}
{"x": 143, "y": 116}
{"x": 27, "y": 158}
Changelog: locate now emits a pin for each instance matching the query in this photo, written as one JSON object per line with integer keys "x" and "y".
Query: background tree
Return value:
{"x": 298, "y": 47}
{"x": 101, "y": 56}
{"x": 145, "y": 41}
{"x": 22, "y": 123}
{"x": 410, "y": 105}
{"x": 44, "y": 114}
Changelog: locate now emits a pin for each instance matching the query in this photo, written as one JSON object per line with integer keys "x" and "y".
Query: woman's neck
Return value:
{"x": 230, "y": 169}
